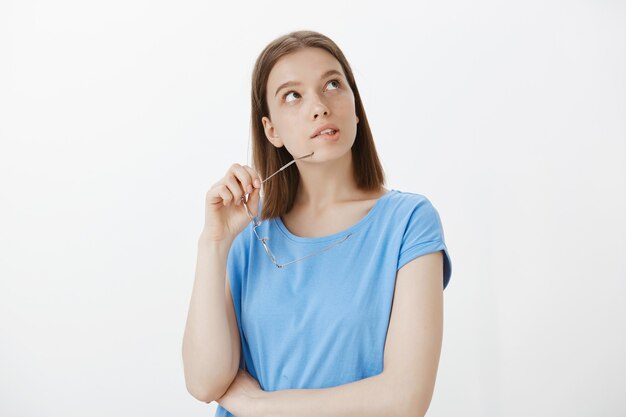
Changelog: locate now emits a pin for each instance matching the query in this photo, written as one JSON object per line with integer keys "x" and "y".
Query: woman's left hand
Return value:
{"x": 240, "y": 398}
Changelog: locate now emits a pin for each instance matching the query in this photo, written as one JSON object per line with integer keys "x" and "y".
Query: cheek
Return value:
{"x": 345, "y": 102}
{"x": 284, "y": 122}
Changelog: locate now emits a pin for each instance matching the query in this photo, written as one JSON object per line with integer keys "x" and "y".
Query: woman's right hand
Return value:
{"x": 225, "y": 215}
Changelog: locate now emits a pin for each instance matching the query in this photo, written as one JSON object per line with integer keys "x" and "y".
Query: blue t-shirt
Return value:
{"x": 322, "y": 321}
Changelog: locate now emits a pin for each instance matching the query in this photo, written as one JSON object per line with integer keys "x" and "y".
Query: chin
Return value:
{"x": 324, "y": 153}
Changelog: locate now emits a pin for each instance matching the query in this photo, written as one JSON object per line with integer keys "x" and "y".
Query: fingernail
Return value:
{"x": 257, "y": 183}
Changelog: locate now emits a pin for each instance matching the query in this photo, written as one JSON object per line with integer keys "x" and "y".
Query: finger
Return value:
{"x": 253, "y": 201}
{"x": 220, "y": 194}
{"x": 244, "y": 177}
{"x": 255, "y": 178}
{"x": 234, "y": 187}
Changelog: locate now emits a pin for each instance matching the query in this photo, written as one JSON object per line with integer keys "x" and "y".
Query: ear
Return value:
{"x": 270, "y": 132}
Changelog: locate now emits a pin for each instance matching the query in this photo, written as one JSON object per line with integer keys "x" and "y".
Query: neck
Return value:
{"x": 325, "y": 184}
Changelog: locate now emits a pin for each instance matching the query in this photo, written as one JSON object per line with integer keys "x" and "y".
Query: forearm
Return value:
{"x": 207, "y": 348}
{"x": 369, "y": 397}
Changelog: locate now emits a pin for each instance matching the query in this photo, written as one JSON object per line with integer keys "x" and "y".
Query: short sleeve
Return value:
{"x": 424, "y": 234}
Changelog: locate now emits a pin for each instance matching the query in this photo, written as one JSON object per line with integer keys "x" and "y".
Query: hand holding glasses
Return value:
{"x": 224, "y": 219}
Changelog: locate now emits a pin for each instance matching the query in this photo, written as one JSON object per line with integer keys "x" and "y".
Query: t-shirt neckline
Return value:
{"x": 278, "y": 222}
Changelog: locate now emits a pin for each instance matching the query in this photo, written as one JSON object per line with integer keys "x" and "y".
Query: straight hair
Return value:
{"x": 279, "y": 192}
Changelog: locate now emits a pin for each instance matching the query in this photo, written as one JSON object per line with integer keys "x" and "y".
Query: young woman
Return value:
{"x": 323, "y": 296}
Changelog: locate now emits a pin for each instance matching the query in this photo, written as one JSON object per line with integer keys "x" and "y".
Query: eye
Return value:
{"x": 286, "y": 94}
{"x": 289, "y": 92}
{"x": 336, "y": 81}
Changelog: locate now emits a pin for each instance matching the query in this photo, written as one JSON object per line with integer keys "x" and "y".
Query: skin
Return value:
{"x": 326, "y": 179}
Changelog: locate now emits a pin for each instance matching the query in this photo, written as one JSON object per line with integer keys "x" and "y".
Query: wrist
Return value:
{"x": 259, "y": 405}
{"x": 206, "y": 242}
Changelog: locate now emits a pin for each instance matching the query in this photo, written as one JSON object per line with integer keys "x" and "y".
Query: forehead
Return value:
{"x": 301, "y": 66}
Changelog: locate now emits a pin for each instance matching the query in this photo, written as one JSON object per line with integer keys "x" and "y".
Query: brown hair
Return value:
{"x": 279, "y": 192}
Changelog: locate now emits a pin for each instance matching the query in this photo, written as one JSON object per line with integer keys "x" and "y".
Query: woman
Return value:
{"x": 294, "y": 289}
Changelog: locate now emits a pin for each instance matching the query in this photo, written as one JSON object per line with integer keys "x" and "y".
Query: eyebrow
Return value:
{"x": 290, "y": 83}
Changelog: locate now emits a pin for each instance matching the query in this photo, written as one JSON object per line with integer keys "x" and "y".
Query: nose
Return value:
{"x": 319, "y": 108}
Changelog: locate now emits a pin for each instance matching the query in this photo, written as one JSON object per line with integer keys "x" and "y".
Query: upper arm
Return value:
{"x": 235, "y": 340}
{"x": 414, "y": 336}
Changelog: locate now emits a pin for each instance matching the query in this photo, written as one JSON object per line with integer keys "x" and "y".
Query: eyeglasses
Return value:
{"x": 264, "y": 240}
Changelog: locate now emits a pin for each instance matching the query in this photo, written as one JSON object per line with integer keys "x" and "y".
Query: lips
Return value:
{"x": 323, "y": 128}
{"x": 327, "y": 137}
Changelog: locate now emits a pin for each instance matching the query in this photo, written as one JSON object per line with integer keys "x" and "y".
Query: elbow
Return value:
{"x": 408, "y": 396}
{"x": 205, "y": 394}
{"x": 199, "y": 386}
{"x": 208, "y": 390}
{"x": 206, "y": 386}
{"x": 415, "y": 405}
{"x": 412, "y": 410}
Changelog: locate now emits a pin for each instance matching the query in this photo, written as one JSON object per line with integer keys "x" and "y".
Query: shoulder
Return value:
{"x": 414, "y": 214}
{"x": 408, "y": 202}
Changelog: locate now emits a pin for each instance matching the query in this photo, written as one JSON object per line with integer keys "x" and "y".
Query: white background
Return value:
{"x": 116, "y": 117}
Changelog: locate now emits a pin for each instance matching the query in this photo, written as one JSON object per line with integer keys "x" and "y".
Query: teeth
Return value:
{"x": 327, "y": 131}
